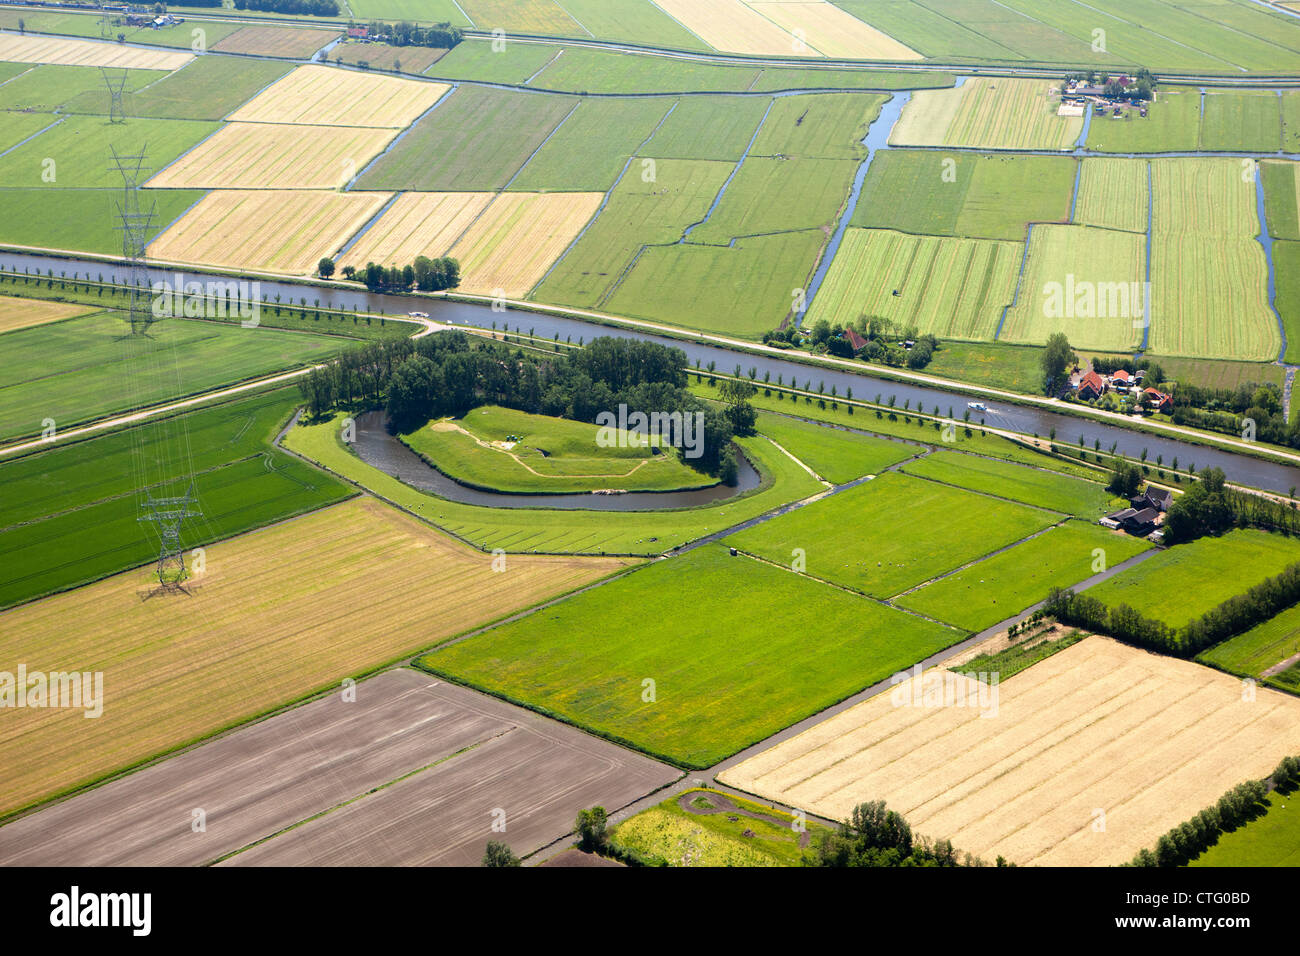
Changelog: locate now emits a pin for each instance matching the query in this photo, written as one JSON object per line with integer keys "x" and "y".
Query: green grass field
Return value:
{"x": 1206, "y": 198}
{"x": 1072, "y": 496}
{"x": 428, "y": 11}
{"x": 522, "y": 16}
{"x": 1019, "y": 657}
{"x": 1085, "y": 282}
{"x": 1172, "y": 124}
{"x": 1290, "y": 121}
{"x": 708, "y": 127}
{"x": 87, "y": 25}
{"x": 1217, "y": 374}
{"x": 73, "y": 515}
{"x": 211, "y": 87}
{"x": 523, "y": 530}
{"x": 1196, "y": 282}
{"x": 84, "y": 368}
{"x": 1242, "y": 122}
{"x": 1184, "y": 582}
{"x": 837, "y": 455}
{"x": 1286, "y": 268}
{"x": 632, "y": 21}
{"x": 714, "y": 837}
{"x": 638, "y": 212}
{"x": 977, "y": 196}
{"x": 1016, "y": 367}
{"x": 79, "y": 89}
{"x": 772, "y": 195}
{"x": 893, "y": 533}
{"x": 590, "y": 149}
{"x": 82, "y": 220}
{"x": 76, "y": 152}
{"x": 1114, "y": 194}
{"x": 476, "y": 60}
{"x": 16, "y": 127}
{"x": 717, "y": 688}
{"x": 548, "y": 456}
{"x": 1281, "y": 199}
{"x": 1270, "y": 840}
{"x": 476, "y": 140}
{"x": 1260, "y": 648}
{"x": 1008, "y": 583}
{"x": 955, "y": 288}
{"x": 743, "y": 290}
{"x": 819, "y": 125}
{"x": 906, "y": 426}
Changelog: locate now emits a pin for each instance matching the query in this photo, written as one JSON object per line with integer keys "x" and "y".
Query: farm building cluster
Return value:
{"x": 1113, "y": 97}
{"x": 1091, "y": 385}
{"x": 1144, "y": 516}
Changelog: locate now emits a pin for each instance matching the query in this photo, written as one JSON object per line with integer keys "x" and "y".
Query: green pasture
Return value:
{"x": 476, "y": 140}
{"x": 211, "y": 87}
{"x": 1182, "y": 583}
{"x": 1002, "y": 586}
{"x": 1270, "y": 840}
{"x": 548, "y": 455}
{"x": 591, "y": 148}
{"x": 1172, "y": 124}
{"x": 78, "y": 89}
{"x": 1242, "y": 122}
{"x": 893, "y": 533}
{"x": 716, "y": 686}
{"x": 1114, "y": 194}
{"x": 835, "y": 454}
{"x": 1262, "y": 647}
{"x": 819, "y": 125}
{"x": 82, "y": 220}
{"x": 1002, "y": 479}
{"x": 708, "y": 127}
{"x": 771, "y": 195}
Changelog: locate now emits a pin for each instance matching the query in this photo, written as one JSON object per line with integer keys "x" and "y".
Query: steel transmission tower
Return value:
{"x": 167, "y": 515}
{"x": 136, "y": 224}
{"x": 115, "y": 85}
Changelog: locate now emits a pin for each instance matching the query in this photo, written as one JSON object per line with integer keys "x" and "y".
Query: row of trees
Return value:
{"x": 1234, "y": 616}
{"x": 1254, "y": 411}
{"x": 415, "y": 380}
{"x": 1239, "y": 805}
{"x": 425, "y": 274}
{"x": 314, "y": 8}
{"x": 439, "y": 35}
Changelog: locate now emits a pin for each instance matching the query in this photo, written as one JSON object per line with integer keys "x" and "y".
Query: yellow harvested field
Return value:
{"x": 25, "y": 313}
{"x": 279, "y": 614}
{"x": 519, "y": 237}
{"x": 69, "y": 52}
{"x": 1088, "y": 756}
{"x": 268, "y": 230}
{"x": 325, "y": 96}
{"x": 275, "y": 156}
{"x": 276, "y": 41}
{"x": 417, "y": 224}
{"x": 832, "y": 31}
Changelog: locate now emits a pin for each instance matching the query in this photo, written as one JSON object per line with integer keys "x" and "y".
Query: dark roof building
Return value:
{"x": 1157, "y": 498}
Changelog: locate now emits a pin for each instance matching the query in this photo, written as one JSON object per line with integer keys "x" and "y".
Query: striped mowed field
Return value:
{"x": 1114, "y": 194}
{"x": 279, "y": 614}
{"x": 953, "y": 287}
{"x": 1088, "y": 283}
{"x": 987, "y": 113}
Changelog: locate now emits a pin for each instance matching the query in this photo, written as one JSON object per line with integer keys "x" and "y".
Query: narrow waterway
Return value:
{"x": 1028, "y": 420}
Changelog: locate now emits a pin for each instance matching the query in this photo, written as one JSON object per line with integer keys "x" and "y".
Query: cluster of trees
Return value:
{"x": 877, "y": 836}
{"x": 1231, "y": 411}
{"x": 1189, "y": 840}
{"x": 440, "y": 35}
{"x": 425, "y": 274}
{"x": 1234, "y": 616}
{"x": 1125, "y": 481}
{"x": 314, "y": 8}
{"x": 1210, "y": 507}
{"x": 1057, "y": 360}
{"x": 451, "y": 373}
{"x": 886, "y": 341}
